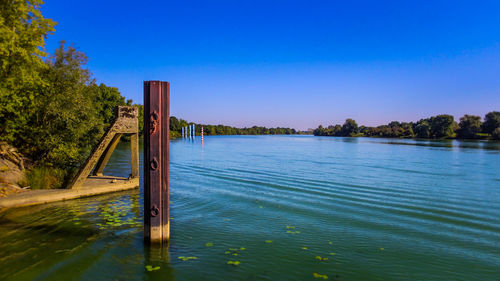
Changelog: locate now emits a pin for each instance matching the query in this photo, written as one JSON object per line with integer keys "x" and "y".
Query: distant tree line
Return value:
{"x": 210, "y": 130}
{"x": 437, "y": 127}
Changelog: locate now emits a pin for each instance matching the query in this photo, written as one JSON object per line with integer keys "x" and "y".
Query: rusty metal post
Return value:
{"x": 156, "y": 161}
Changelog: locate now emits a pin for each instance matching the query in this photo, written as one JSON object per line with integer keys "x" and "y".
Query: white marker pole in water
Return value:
{"x": 201, "y": 133}
{"x": 193, "y": 132}
{"x": 182, "y": 132}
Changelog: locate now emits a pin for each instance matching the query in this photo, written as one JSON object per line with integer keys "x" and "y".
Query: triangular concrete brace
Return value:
{"x": 126, "y": 123}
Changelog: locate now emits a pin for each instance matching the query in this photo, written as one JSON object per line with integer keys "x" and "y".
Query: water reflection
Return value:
{"x": 468, "y": 144}
{"x": 350, "y": 140}
{"x": 157, "y": 262}
{"x": 54, "y": 236}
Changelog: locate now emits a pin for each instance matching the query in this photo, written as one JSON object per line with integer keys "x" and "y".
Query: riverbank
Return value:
{"x": 17, "y": 179}
{"x": 12, "y": 170}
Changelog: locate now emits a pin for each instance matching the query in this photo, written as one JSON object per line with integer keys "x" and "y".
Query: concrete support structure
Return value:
{"x": 89, "y": 180}
{"x": 126, "y": 123}
{"x": 156, "y": 161}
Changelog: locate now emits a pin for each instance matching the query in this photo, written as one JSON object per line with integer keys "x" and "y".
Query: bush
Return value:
{"x": 45, "y": 178}
{"x": 496, "y": 134}
{"x": 174, "y": 135}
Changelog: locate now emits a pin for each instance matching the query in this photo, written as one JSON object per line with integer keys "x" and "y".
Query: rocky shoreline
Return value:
{"x": 12, "y": 171}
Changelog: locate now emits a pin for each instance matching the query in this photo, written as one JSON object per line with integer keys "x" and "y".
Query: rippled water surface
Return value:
{"x": 281, "y": 208}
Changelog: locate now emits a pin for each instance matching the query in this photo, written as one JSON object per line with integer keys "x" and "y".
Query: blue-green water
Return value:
{"x": 285, "y": 208}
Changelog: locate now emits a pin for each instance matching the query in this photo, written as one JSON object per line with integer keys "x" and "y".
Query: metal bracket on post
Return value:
{"x": 156, "y": 161}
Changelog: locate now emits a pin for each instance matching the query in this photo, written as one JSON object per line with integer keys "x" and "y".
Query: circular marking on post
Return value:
{"x": 153, "y": 164}
{"x": 153, "y": 123}
{"x": 154, "y": 211}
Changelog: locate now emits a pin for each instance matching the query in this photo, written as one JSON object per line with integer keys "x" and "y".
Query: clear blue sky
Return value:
{"x": 293, "y": 63}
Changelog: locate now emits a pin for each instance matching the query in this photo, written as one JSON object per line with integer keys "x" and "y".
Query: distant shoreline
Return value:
{"x": 436, "y": 127}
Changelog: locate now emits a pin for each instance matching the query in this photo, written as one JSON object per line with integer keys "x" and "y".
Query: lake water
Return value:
{"x": 285, "y": 208}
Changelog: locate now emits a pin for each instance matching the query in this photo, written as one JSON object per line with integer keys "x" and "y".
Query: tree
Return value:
{"x": 66, "y": 122}
{"x": 319, "y": 131}
{"x": 407, "y": 130}
{"x": 496, "y": 134}
{"x": 423, "y": 129}
{"x": 442, "y": 126}
{"x": 469, "y": 126}
{"x": 349, "y": 128}
{"x": 106, "y": 99}
{"x": 140, "y": 108}
{"x": 23, "y": 31}
{"x": 491, "y": 122}
{"x": 175, "y": 125}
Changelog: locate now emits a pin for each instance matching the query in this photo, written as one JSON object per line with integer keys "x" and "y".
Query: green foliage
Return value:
{"x": 106, "y": 99}
{"x": 491, "y": 122}
{"x": 175, "y": 134}
{"x": 423, "y": 129}
{"x": 349, "y": 128}
{"x": 442, "y": 126}
{"x": 51, "y": 110}
{"x": 66, "y": 121}
{"x": 406, "y": 130}
{"x": 23, "y": 31}
{"x": 177, "y": 124}
{"x": 69, "y": 115}
{"x": 45, "y": 177}
{"x": 496, "y": 134}
{"x": 140, "y": 117}
{"x": 469, "y": 127}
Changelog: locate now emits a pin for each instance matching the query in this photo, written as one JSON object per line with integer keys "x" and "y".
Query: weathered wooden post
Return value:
{"x": 156, "y": 161}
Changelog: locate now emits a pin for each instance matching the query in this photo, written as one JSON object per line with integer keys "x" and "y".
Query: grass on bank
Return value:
{"x": 44, "y": 178}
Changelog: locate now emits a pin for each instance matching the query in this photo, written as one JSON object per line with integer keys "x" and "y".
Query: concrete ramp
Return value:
{"x": 92, "y": 186}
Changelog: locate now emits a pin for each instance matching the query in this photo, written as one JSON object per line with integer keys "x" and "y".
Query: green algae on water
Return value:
{"x": 151, "y": 268}
{"x": 317, "y": 275}
{"x": 183, "y": 258}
